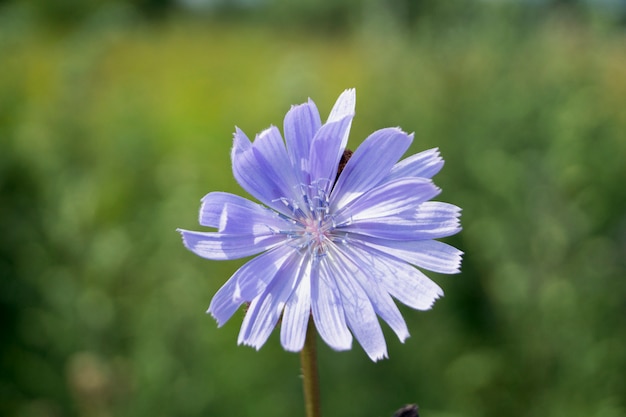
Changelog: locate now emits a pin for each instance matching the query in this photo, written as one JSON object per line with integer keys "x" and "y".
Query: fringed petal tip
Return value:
{"x": 437, "y": 296}
{"x": 426, "y": 305}
{"x": 375, "y": 357}
{"x": 340, "y": 348}
{"x": 456, "y": 268}
{"x": 240, "y": 143}
{"x": 294, "y": 348}
{"x": 182, "y": 236}
{"x": 239, "y": 132}
{"x": 250, "y": 343}
{"x": 219, "y": 322}
{"x": 344, "y": 106}
{"x": 399, "y": 130}
{"x": 271, "y": 129}
{"x": 425, "y": 164}
{"x": 240, "y": 136}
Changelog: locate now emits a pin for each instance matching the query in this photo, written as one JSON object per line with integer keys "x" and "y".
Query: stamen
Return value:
{"x": 315, "y": 225}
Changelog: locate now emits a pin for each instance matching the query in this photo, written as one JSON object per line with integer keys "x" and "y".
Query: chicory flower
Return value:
{"x": 335, "y": 246}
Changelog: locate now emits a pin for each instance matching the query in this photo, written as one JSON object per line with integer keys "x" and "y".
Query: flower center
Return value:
{"x": 317, "y": 224}
{"x": 316, "y": 221}
{"x": 316, "y": 236}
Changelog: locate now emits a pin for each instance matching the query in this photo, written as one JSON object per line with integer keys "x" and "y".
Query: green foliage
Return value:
{"x": 110, "y": 135}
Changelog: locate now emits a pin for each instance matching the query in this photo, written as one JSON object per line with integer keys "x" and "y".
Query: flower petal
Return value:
{"x": 327, "y": 310}
{"x": 266, "y": 308}
{"x": 222, "y": 246}
{"x": 326, "y": 150}
{"x": 329, "y": 143}
{"x": 212, "y": 207}
{"x": 437, "y": 219}
{"x": 233, "y": 214}
{"x": 404, "y": 282}
{"x": 369, "y": 164}
{"x": 360, "y": 314}
{"x": 369, "y": 277}
{"x": 263, "y": 169}
{"x": 344, "y": 106}
{"x": 297, "y": 312}
{"x": 300, "y": 125}
{"x": 223, "y": 305}
{"x": 388, "y": 199}
{"x": 424, "y": 164}
{"x": 428, "y": 254}
{"x": 247, "y": 283}
{"x": 432, "y": 220}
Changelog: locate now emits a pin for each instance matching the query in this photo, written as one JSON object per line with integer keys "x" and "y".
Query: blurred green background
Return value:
{"x": 116, "y": 117}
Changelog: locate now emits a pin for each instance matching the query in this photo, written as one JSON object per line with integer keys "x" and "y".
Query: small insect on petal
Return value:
{"x": 345, "y": 157}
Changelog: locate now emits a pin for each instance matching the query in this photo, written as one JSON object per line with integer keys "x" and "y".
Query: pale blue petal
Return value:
{"x": 402, "y": 229}
{"x": 212, "y": 207}
{"x": 388, "y": 199}
{"x": 297, "y": 312}
{"x": 265, "y": 310}
{"x": 424, "y": 164}
{"x": 326, "y": 151}
{"x": 270, "y": 148}
{"x": 437, "y": 211}
{"x": 432, "y": 220}
{"x": 344, "y": 106}
{"x": 329, "y": 143}
{"x": 428, "y": 254}
{"x": 233, "y": 214}
{"x": 247, "y": 283}
{"x": 260, "y": 272}
{"x": 300, "y": 125}
{"x": 327, "y": 310}
{"x": 360, "y": 314}
{"x": 437, "y": 219}
{"x": 223, "y": 305}
{"x": 364, "y": 265}
{"x": 263, "y": 169}
{"x": 221, "y": 246}
{"x": 404, "y": 282}
{"x": 369, "y": 164}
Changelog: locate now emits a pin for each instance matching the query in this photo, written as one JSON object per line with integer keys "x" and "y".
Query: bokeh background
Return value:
{"x": 116, "y": 117}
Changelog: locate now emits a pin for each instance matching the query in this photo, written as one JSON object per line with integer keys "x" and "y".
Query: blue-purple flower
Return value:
{"x": 337, "y": 247}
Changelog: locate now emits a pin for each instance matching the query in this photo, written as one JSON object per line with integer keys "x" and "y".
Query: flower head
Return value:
{"x": 336, "y": 247}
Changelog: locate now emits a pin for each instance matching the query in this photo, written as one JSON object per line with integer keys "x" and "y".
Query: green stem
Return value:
{"x": 308, "y": 358}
